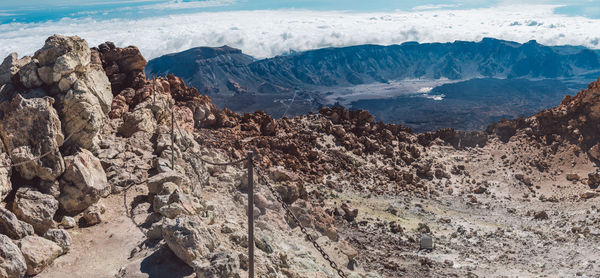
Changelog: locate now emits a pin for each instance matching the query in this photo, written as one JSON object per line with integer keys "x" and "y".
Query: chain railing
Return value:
{"x": 289, "y": 212}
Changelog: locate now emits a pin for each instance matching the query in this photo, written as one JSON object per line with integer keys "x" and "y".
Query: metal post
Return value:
{"x": 172, "y": 139}
{"x": 250, "y": 215}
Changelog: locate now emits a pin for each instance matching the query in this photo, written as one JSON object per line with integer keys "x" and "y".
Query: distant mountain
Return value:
{"x": 226, "y": 70}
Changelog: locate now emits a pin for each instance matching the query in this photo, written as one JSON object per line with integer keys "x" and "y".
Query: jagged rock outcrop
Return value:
{"x": 83, "y": 183}
{"x": 123, "y": 66}
{"x": 575, "y": 120}
{"x": 10, "y": 66}
{"x": 86, "y": 96}
{"x": 29, "y": 128}
{"x": 12, "y": 262}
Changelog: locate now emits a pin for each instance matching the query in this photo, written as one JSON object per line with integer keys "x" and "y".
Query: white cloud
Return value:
{"x": 434, "y": 7}
{"x": 179, "y": 5}
{"x": 268, "y": 33}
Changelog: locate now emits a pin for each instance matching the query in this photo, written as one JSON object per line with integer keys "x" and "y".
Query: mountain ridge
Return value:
{"x": 233, "y": 72}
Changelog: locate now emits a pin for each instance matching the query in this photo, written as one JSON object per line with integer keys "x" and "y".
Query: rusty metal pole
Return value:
{"x": 172, "y": 139}
{"x": 250, "y": 215}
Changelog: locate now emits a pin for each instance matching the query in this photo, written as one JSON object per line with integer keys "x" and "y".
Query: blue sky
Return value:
{"x": 267, "y": 28}
{"x": 28, "y": 11}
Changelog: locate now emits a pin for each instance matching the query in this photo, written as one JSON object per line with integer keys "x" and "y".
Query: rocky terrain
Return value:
{"x": 107, "y": 176}
{"x": 428, "y": 86}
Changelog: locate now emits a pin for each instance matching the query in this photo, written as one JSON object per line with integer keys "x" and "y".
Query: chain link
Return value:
{"x": 285, "y": 207}
{"x": 289, "y": 212}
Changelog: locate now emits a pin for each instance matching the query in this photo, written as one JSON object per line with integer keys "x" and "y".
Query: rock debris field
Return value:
{"x": 89, "y": 187}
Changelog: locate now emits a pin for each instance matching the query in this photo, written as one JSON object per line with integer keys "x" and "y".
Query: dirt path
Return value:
{"x": 101, "y": 250}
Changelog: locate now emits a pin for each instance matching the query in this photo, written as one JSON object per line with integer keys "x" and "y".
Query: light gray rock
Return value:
{"x": 98, "y": 84}
{"x": 30, "y": 128}
{"x": 11, "y": 65}
{"x": 28, "y": 75}
{"x": 93, "y": 214}
{"x": 12, "y": 262}
{"x": 155, "y": 183}
{"x": 159, "y": 202}
{"x": 83, "y": 183}
{"x": 5, "y": 173}
{"x": 11, "y": 226}
{"x": 225, "y": 264}
{"x": 64, "y": 55}
{"x": 68, "y": 222}
{"x": 65, "y": 62}
{"x": 35, "y": 208}
{"x": 83, "y": 116}
{"x": 138, "y": 120}
{"x": 38, "y": 253}
{"x": 189, "y": 238}
{"x": 181, "y": 203}
{"x": 60, "y": 237}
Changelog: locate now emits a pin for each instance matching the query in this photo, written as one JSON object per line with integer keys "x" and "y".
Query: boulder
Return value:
{"x": 28, "y": 75}
{"x": 11, "y": 226}
{"x": 30, "y": 128}
{"x": 124, "y": 66}
{"x": 138, "y": 120}
{"x": 12, "y": 262}
{"x": 98, "y": 85}
{"x": 63, "y": 55}
{"x": 68, "y": 222}
{"x": 180, "y": 203}
{"x": 38, "y": 253}
{"x": 593, "y": 180}
{"x": 350, "y": 213}
{"x": 10, "y": 66}
{"x": 189, "y": 238}
{"x": 82, "y": 114}
{"x": 60, "y": 237}
{"x": 156, "y": 182}
{"x": 540, "y": 215}
{"x": 93, "y": 214}
{"x": 225, "y": 264}
{"x": 35, "y": 208}
{"x": 87, "y": 97}
{"x": 83, "y": 183}
{"x": 5, "y": 173}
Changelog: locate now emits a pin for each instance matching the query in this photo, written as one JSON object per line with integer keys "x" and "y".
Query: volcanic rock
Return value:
{"x": 35, "y": 208}
{"x": 225, "y": 264}
{"x": 5, "y": 173}
{"x": 83, "y": 183}
{"x": 11, "y": 226}
{"x": 10, "y": 66}
{"x": 156, "y": 182}
{"x": 93, "y": 214}
{"x": 12, "y": 262}
{"x": 60, "y": 237}
{"x": 30, "y": 128}
{"x": 188, "y": 238}
{"x": 38, "y": 253}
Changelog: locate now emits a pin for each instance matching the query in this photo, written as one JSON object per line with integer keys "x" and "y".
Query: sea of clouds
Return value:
{"x": 267, "y": 33}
